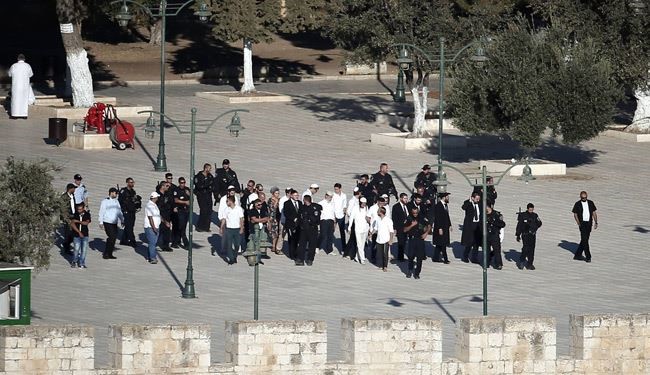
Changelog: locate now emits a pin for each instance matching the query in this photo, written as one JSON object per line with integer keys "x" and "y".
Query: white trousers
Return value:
{"x": 361, "y": 238}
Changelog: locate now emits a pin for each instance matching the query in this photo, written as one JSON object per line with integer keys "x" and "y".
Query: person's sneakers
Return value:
{"x": 530, "y": 267}
{"x": 153, "y": 261}
{"x": 124, "y": 243}
{"x": 346, "y": 257}
{"x": 362, "y": 262}
{"x": 83, "y": 266}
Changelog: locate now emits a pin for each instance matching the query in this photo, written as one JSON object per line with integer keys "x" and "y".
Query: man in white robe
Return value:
{"x": 21, "y": 91}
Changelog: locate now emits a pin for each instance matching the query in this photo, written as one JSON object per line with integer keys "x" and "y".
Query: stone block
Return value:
{"x": 403, "y": 141}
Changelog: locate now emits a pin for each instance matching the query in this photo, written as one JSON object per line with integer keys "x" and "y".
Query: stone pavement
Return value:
{"x": 323, "y": 137}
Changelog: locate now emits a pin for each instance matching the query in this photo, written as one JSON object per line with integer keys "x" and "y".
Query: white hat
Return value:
{"x": 329, "y": 193}
{"x": 313, "y": 186}
{"x": 363, "y": 200}
{"x": 154, "y": 195}
{"x": 356, "y": 188}
{"x": 384, "y": 195}
{"x": 230, "y": 187}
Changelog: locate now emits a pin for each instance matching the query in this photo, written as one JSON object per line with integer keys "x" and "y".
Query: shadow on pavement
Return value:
{"x": 171, "y": 273}
{"x": 513, "y": 256}
{"x": 349, "y": 108}
{"x": 568, "y": 246}
{"x": 399, "y": 302}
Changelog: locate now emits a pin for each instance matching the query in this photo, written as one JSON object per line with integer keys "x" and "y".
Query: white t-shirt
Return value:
{"x": 327, "y": 213}
{"x": 358, "y": 218}
{"x": 233, "y": 216}
{"x": 340, "y": 203}
{"x": 151, "y": 210}
{"x": 383, "y": 228}
{"x": 585, "y": 211}
{"x": 223, "y": 205}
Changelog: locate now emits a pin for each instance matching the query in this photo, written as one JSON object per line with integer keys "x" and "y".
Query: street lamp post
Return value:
{"x": 526, "y": 176}
{"x": 163, "y": 11}
{"x": 181, "y": 126}
{"x": 405, "y": 63}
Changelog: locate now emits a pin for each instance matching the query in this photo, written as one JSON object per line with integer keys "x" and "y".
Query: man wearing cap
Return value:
{"x": 181, "y": 213}
{"x": 152, "y": 222}
{"x": 340, "y": 204}
{"x": 311, "y": 191}
{"x": 417, "y": 226}
{"x": 80, "y": 192}
{"x": 528, "y": 222}
{"x": 382, "y": 182}
{"x": 441, "y": 228}
{"x": 327, "y": 224}
{"x": 359, "y": 225}
{"x": 426, "y": 180}
{"x": 130, "y": 203}
{"x": 224, "y": 177}
{"x": 203, "y": 182}
{"x": 309, "y": 220}
{"x": 291, "y": 225}
{"x": 400, "y": 213}
{"x": 68, "y": 209}
{"x": 110, "y": 213}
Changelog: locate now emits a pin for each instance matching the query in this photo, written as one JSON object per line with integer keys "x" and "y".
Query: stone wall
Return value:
{"x": 600, "y": 344}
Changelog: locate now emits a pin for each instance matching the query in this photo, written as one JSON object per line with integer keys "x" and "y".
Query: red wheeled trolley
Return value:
{"x": 121, "y": 133}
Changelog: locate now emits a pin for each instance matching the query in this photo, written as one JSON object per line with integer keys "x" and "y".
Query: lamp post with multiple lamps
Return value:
{"x": 526, "y": 176}
{"x": 163, "y": 11}
{"x": 182, "y": 127}
{"x": 405, "y": 63}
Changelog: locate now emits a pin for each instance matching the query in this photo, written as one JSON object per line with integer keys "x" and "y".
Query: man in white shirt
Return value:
{"x": 327, "y": 224}
{"x": 222, "y": 202}
{"x": 383, "y": 229}
{"x": 110, "y": 212}
{"x": 80, "y": 193}
{"x": 372, "y": 217}
{"x": 232, "y": 227}
{"x": 312, "y": 190}
{"x": 152, "y": 221}
{"x": 340, "y": 203}
{"x": 358, "y": 219}
{"x": 22, "y": 94}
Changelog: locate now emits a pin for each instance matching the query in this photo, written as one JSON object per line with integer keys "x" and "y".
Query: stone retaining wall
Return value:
{"x": 600, "y": 344}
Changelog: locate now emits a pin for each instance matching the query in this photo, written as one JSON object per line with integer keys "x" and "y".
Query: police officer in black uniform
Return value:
{"x": 130, "y": 202}
{"x": 203, "y": 185}
{"x": 491, "y": 192}
{"x": 426, "y": 180}
{"x": 494, "y": 224}
{"x": 417, "y": 227}
{"x": 166, "y": 206}
{"x": 528, "y": 222}
{"x": 224, "y": 177}
{"x": 382, "y": 182}
{"x": 309, "y": 221}
{"x": 182, "y": 213}
{"x": 366, "y": 189}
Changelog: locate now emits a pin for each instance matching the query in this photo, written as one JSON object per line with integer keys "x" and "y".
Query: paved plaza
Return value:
{"x": 323, "y": 137}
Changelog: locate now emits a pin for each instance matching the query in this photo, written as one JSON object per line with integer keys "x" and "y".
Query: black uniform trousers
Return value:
{"x": 326, "y": 235}
{"x": 164, "y": 236}
{"x": 401, "y": 245}
{"x": 294, "y": 237}
{"x": 128, "y": 237}
{"x": 351, "y": 248}
{"x": 438, "y": 251}
{"x": 204, "y": 198}
{"x": 585, "y": 232}
{"x": 179, "y": 228}
{"x": 308, "y": 243}
{"x": 472, "y": 251}
{"x": 528, "y": 248}
{"x": 373, "y": 248}
{"x": 341, "y": 223}
{"x": 111, "y": 236}
{"x": 494, "y": 244}
{"x": 416, "y": 251}
{"x": 68, "y": 237}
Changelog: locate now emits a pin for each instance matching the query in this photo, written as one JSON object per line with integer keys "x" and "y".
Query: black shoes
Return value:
{"x": 445, "y": 262}
{"x": 498, "y": 267}
{"x": 175, "y": 246}
{"x": 465, "y": 260}
{"x": 408, "y": 275}
{"x": 416, "y": 277}
{"x": 299, "y": 263}
{"x": 309, "y": 263}
{"x": 530, "y": 267}
{"x": 578, "y": 257}
{"x": 588, "y": 260}
{"x": 520, "y": 266}
{"x": 108, "y": 257}
{"x": 264, "y": 256}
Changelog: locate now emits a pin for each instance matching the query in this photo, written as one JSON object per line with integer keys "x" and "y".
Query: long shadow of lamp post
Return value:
{"x": 185, "y": 127}
{"x": 162, "y": 11}
{"x": 526, "y": 176}
{"x": 405, "y": 63}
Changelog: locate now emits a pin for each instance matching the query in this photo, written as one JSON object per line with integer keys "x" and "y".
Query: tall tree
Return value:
{"x": 255, "y": 21}
{"x": 29, "y": 212}
{"x": 70, "y": 14}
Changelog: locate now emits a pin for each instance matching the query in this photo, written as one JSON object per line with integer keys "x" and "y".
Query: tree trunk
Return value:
{"x": 419, "y": 110}
{"x": 155, "y": 33}
{"x": 641, "y": 120}
{"x": 80, "y": 77}
{"x": 248, "y": 67}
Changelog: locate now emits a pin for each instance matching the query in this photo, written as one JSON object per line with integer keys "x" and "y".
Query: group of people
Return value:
{"x": 251, "y": 223}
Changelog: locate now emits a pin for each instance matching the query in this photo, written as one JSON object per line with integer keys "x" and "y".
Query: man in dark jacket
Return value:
{"x": 224, "y": 177}
{"x": 166, "y": 206}
{"x": 441, "y": 228}
{"x": 382, "y": 182}
{"x": 400, "y": 213}
{"x": 291, "y": 212}
{"x": 527, "y": 224}
{"x": 471, "y": 227}
{"x": 309, "y": 221}
{"x": 584, "y": 213}
{"x": 203, "y": 182}
{"x": 130, "y": 202}
{"x": 494, "y": 223}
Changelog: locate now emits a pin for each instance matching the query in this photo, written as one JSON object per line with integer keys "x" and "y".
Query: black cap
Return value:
{"x": 426, "y": 166}
{"x": 112, "y": 190}
{"x": 225, "y": 161}
{"x": 77, "y": 177}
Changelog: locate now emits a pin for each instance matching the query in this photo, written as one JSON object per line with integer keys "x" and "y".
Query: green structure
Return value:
{"x": 15, "y": 294}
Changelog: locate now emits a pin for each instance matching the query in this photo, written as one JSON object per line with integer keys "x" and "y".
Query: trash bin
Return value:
{"x": 58, "y": 130}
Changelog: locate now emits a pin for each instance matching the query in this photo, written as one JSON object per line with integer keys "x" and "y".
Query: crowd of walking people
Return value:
{"x": 252, "y": 223}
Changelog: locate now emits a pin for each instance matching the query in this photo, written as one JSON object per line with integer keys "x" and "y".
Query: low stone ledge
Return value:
{"x": 88, "y": 141}
{"x": 404, "y": 122}
{"x": 402, "y": 141}
{"x": 365, "y": 69}
{"x": 633, "y": 137}
{"x": 538, "y": 167}
{"x": 233, "y": 97}
{"x": 77, "y": 114}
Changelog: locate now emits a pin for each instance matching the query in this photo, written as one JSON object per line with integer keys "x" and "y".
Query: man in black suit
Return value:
{"x": 441, "y": 228}
{"x": 291, "y": 213}
{"x": 471, "y": 227}
{"x": 400, "y": 213}
{"x": 584, "y": 213}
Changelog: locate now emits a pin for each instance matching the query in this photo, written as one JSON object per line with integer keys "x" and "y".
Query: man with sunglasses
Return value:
{"x": 585, "y": 215}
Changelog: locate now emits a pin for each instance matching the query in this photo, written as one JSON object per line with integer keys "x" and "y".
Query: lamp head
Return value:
{"x": 235, "y": 126}
{"x": 441, "y": 182}
{"x": 203, "y": 13}
{"x": 479, "y": 56}
{"x": 124, "y": 15}
{"x": 527, "y": 174}
{"x": 403, "y": 60}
